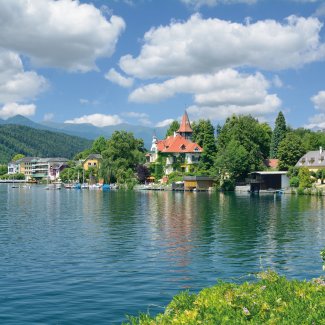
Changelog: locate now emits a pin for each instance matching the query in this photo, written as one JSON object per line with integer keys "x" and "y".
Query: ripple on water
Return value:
{"x": 91, "y": 257}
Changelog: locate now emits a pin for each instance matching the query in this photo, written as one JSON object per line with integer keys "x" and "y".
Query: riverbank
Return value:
{"x": 271, "y": 300}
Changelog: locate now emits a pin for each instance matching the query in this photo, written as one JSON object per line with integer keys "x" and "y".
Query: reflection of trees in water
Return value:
{"x": 268, "y": 226}
{"x": 119, "y": 216}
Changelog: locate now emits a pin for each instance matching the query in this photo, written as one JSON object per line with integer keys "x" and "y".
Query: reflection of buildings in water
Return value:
{"x": 172, "y": 217}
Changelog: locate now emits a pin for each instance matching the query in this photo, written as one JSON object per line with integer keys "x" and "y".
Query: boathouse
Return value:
{"x": 268, "y": 181}
{"x": 198, "y": 183}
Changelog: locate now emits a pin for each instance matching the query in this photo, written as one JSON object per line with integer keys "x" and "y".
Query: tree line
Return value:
{"x": 242, "y": 144}
{"x": 32, "y": 142}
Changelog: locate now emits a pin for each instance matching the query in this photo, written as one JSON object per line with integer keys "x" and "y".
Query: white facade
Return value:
{"x": 285, "y": 181}
{"x": 13, "y": 168}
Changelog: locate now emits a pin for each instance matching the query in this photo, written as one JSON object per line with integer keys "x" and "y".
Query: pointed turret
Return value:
{"x": 185, "y": 129}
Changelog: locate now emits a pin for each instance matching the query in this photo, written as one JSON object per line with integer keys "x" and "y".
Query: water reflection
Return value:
{"x": 89, "y": 256}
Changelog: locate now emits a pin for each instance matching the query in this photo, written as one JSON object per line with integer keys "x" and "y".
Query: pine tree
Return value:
{"x": 278, "y": 134}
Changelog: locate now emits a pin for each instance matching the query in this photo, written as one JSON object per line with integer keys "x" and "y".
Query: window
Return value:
{"x": 89, "y": 164}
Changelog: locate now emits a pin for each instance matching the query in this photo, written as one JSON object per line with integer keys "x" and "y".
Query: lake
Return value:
{"x": 90, "y": 257}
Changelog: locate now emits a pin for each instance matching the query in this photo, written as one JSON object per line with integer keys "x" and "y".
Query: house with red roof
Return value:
{"x": 178, "y": 149}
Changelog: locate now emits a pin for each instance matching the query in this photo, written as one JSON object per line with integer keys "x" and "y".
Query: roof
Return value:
{"x": 198, "y": 178}
{"x": 94, "y": 156}
{"x": 23, "y": 160}
{"x": 51, "y": 160}
{"x": 178, "y": 144}
{"x": 270, "y": 172}
{"x": 312, "y": 159}
{"x": 185, "y": 124}
{"x": 39, "y": 160}
{"x": 271, "y": 163}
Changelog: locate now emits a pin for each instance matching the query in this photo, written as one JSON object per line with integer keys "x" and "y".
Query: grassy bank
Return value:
{"x": 271, "y": 300}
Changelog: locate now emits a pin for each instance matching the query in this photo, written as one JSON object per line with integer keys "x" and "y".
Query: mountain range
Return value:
{"x": 90, "y": 131}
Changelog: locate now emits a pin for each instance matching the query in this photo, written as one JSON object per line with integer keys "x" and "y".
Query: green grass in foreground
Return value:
{"x": 271, "y": 300}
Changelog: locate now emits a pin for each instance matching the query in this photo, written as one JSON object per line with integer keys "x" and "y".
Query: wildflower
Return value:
{"x": 246, "y": 311}
{"x": 263, "y": 287}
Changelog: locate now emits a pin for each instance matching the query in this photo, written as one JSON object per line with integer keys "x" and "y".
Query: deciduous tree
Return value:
{"x": 290, "y": 150}
{"x": 173, "y": 127}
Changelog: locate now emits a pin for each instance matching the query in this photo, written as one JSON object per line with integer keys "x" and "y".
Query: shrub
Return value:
{"x": 271, "y": 300}
{"x": 294, "y": 181}
{"x": 228, "y": 185}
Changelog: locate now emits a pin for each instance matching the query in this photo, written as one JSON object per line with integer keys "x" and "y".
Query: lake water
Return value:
{"x": 88, "y": 257}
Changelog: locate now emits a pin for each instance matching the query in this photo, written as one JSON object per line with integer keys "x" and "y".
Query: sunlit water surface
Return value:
{"x": 88, "y": 257}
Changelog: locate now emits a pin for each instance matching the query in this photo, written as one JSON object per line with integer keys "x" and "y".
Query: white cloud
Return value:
{"x": 135, "y": 115}
{"x": 211, "y": 3}
{"x": 99, "y": 120}
{"x": 12, "y": 109}
{"x": 48, "y": 117}
{"x": 117, "y": 78}
{"x": 142, "y": 118}
{"x": 320, "y": 11}
{"x": 164, "y": 123}
{"x": 17, "y": 85}
{"x": 224, "y": 87}
{"x": 64, "y": 33}
{"x": 207, "y": 45}
{"x": 270, "y": 104}
{"x": 316, "y": 121}
{"x": 217, "y": 95}
{"x": 277, "y": 82}
{"x": 84, "y": 101}
{"x": 319, "y": 100}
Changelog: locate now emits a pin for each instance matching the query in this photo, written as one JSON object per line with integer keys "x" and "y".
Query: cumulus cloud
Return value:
{"x": 319, "y": 100}
{"x": 164, "y": 123}
{"x": 17, "y": 85}
{"x": 115, "y": 77}
{"x": 12, "y": 109}
{"x": 142, "y": 118}
{"x": 135, "y": 115}
{"x": 207, "y": 45}
{"x": 226, "y": 86}
{"x": 99, "y": 120}
{"x": 217, "y": 95}
{"x": 316, "y": 121}
{"x": 63, "y": 33}
{"x": 211, "y": 3}
{"x": 270, "y": 104}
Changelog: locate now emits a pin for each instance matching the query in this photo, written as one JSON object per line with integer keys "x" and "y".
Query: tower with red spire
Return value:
{"x": 185, "y": 129}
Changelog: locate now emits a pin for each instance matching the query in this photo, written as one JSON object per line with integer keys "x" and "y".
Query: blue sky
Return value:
{"x": 144, "y": 62}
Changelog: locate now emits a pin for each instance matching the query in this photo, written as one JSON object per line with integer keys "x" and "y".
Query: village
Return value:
{"x": 178, "y": 154}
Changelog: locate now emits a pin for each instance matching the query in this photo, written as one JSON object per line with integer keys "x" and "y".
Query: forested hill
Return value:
{"x": 28, "y": 141}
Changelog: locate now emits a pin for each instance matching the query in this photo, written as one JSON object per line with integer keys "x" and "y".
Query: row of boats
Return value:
{"x": 78, "y": 186}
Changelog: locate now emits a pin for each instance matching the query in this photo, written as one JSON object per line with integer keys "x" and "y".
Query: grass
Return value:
{"x": 271, "y": 300}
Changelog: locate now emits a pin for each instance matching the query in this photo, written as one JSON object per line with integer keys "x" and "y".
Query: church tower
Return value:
{"x": 185, "y": 129}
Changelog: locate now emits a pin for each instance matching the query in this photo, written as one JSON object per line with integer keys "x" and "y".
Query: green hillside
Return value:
{"x": 33, "y": 142}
